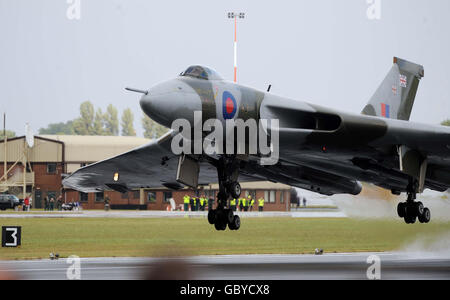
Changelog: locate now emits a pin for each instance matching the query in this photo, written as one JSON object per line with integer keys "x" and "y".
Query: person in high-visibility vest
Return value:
{"x": 205, "y": 207}
{"x": 186, "y": 200}
{"x": 202, "y": 203}
{"x": 233, "y": 204}
{"x": 195, "y": 204}
{"x": 246, "y": 202}
{"x": 251, "y": 202}
{"x": 261, "y": 204}
{"x": 191, "y": 203}
{"x": 242, "y": 204}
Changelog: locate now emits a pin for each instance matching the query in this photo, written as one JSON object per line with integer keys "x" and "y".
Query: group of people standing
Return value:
{"x": 203, "y": 203}
{"x": 50, "y": 204}
{"x": 197, "y": 203}
{"x": 246, "y": 204}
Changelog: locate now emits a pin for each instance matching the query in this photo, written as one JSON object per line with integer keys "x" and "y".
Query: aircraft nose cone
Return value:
{"x": 170, "y": 101}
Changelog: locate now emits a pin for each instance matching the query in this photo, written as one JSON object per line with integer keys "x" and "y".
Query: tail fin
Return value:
{"x": 395, "y": 97}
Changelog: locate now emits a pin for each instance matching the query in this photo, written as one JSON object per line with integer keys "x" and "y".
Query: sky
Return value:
{"x": 326, "y": 52}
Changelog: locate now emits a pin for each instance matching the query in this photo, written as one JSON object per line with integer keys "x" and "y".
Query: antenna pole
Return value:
{"x": 235, "y": 49}
{"x": 5, "y": 141}
{"x": 235, "y": 16}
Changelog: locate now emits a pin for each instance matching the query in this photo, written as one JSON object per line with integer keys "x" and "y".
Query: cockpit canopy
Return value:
{"x": 201, "y": 73}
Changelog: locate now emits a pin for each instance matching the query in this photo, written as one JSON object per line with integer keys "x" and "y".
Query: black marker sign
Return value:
{"x": 11, "y": 236}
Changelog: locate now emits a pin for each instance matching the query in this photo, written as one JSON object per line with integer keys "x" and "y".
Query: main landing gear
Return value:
{"x": 412, "y": 210}
{"x": 220, "y": 218}
{"x": 228, "y": 171}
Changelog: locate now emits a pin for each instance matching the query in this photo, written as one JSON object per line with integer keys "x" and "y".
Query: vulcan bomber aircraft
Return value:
{"x": 320, "y": 149}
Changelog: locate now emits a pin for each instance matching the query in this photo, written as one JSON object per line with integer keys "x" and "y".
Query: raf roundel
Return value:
{"x": 229, "y": 107}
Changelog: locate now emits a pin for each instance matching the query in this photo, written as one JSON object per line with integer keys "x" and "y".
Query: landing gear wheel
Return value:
{"x": 410, "y": 212}
{"x": 220, "y": 226}
{"x": 236, "y": 224}
{"x": 212, "y": 216}
{"x": 221, "y": 223}
{"x": 419, "y": 208}
{"x": 425, "y": 217}
{"x": 410, "y": 219}
{"x": 235, "y": 190}
{"x": 229, "y": 215}
{"x": 401, "y": 209}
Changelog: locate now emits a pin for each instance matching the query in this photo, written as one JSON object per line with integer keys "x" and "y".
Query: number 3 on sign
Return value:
{"x": 11, "y": 236}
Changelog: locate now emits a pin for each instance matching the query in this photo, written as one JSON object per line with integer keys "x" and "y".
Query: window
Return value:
{"x": 201, "y": 73}
{"x": 84, "y": 197}
{"x": 124, "y": 195}
{"x": 270, "y": 196}
{"x": 151, "y": 197}
{"x": 282, "y": 197}
{"x": 51, "y": 195}
{"x": 273, "y": 196}
{"x": 167, "y": 196}
{"x": 99, "y": 197}
{"x": 137, "y": 195}
{"x": 51, "y": 168}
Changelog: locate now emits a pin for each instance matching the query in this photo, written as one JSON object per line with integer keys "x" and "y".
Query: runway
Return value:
{"x": 394, "y": 266}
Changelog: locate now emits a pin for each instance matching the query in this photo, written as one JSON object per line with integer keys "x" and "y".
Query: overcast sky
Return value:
{"x": 325, "y": 52}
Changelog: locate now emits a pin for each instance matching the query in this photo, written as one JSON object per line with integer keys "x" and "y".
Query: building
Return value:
{"x": 55, "y": 156}
{"x": 44, "y": 166}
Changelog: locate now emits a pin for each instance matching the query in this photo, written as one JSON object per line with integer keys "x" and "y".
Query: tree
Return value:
{"x": 99, "y": 123}
{"x": 90, "y": 122}
{"x": 127, "y": 123}
{"x": 58, "y": 128}
{"x": 152, "y": 130}
{"x": 84, "y": 125}
{"x": 111, "y": 121}
{"x": 9, "y": 134}
{"x": 446, "y": 122}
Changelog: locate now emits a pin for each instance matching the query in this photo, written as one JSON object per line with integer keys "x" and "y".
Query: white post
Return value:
{"x": 232, "y": 15}
{"x": 5, "y": 141}
{"x": 235, "y": 48}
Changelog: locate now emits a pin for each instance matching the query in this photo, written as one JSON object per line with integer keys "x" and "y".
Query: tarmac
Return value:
{"x": 396, "y": 266}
